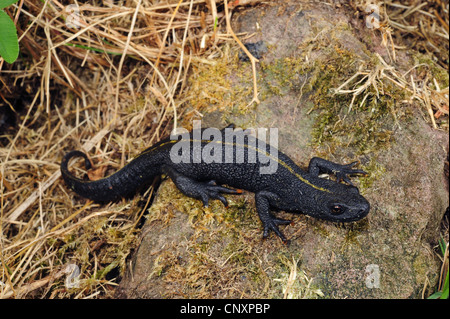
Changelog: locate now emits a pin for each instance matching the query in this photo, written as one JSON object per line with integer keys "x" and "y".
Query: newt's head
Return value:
{"x": 343, "y": 203}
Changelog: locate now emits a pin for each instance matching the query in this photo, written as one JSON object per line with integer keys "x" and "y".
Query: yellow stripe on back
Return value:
{"x": 282, "y": 163}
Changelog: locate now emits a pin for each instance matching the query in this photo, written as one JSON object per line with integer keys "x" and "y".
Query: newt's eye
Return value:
{"x": 336, "y": 209}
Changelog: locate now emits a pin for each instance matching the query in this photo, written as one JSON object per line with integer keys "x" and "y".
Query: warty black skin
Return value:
{"x": 289, "y": 188}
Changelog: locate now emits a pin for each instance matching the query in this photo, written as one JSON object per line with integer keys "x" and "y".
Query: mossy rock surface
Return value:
{"x": 191, "y": 252}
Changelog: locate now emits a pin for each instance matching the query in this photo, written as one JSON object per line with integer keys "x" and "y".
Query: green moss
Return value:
{"x": 424, "y": 62}
{"x": 363, "y": 129}
{"x": 280, "y": 77}
{"x": 223, "y": 84}
{"x": 374, "y": 171}
{"x": 422, "y": 264}
{"x": 320, "y": 229}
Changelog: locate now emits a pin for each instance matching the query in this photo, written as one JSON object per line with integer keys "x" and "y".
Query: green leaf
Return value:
{"x": 215, "y": 23}
{"x": 442, "y": 245}
{"x": 9, "y": 44}
{"x": 5, "y": 3}
{"x": 444, "y": 293}
{"x": 436, "y": 295}
{"x": 445, "y": 288}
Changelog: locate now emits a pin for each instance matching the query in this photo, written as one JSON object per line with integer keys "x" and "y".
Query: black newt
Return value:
{"x": 287, "y": 187}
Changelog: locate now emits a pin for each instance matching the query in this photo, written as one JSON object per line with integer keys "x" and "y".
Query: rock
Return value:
{"x": 191, "y": 252}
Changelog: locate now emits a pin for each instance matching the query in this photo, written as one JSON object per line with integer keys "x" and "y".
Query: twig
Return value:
{"x": 253, "y": 60}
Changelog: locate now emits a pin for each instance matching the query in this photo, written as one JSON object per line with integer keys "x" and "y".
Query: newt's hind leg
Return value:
{"x": 199, "y": 190}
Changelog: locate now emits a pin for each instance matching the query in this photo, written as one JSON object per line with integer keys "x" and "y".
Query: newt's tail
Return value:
{"x": 123, "y": 183}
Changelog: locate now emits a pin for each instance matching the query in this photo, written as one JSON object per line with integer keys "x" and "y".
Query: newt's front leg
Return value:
{"x": 319, "y": 165}
{"x": 270, "y": 222}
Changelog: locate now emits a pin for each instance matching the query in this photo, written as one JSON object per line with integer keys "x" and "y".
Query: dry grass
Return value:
{"x": 111, "y": 83}
{"x": 413, "y": 24}
{"x": 427, "y": 92}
